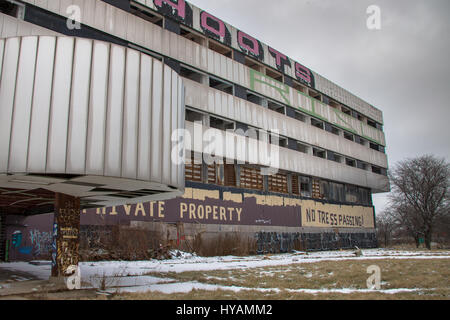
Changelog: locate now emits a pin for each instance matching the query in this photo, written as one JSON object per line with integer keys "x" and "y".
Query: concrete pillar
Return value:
{"x": 66, "y": 235}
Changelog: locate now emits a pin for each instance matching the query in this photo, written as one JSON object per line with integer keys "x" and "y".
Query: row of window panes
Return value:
{"x": 250, "y": 177}
{"x": 222, "y": 124}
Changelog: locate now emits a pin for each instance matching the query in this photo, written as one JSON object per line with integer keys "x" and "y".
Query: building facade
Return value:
{"x": 273, "y": 150}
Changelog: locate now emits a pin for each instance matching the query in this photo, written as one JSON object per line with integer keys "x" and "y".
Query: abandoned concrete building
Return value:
{"x": 92, "y": 94}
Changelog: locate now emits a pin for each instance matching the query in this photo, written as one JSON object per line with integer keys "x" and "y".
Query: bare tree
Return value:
{"x": 386, "y": 224}
{"x": 420, "y": 194}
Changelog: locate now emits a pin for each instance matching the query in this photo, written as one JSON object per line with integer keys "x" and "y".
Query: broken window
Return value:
{"x": 336, "y": 192}
{"x": 319, "y": 153}
{"x": 220, "y": 85}
{"x": 253, "y": 64}
{"x": 192, "y": 74}
{"x": 300, "y": 116}
{"x": 372, "y": 123}
{"x": 223, "y": 50}
{"x": 305, "y": 186}
{"x": 193, "y": 167}
{"x": 317, "y": 123}
{"x": 376, "y": 170}
{"x": 146, "y": 15}
{"x": 303, "y": 148}
{"x": 256, "y": 99}
{"x": 349, "y": 136}
{"x": 276, "y": 107}
{"x": 188, "y": 34}
{"x": 221, "y": 124}
{"x": 193, "y": 116}
{"x": 350, "y": 162}
{"x": 297, "y": 86}
{"x": 274, "y": 75}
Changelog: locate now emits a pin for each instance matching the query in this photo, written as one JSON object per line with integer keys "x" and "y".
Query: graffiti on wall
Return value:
{"x": 228, "y": 206}
{"x": 178, "y": 10}
{"x": 66, "y": 241}
{"x": 215, "y": 28}
{"x": 41, "y": 241}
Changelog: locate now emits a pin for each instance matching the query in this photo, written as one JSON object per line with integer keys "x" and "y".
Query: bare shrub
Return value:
{"x": 224, "y": 244}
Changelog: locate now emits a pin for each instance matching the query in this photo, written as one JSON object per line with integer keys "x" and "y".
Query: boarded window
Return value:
{"x": 305, "y": 186}
{"x": 193, "y": 168}
{"x": 213, "y": 173}
{"x": 251, "y": 178}
{"x": 295, "y": 185}
{"x": 278, "y": 183}
{"x": 229, "y": 175}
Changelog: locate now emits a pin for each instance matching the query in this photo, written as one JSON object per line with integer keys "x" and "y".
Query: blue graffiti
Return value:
{"x": 25, "y": 250}
{"x": 16, "y": 239}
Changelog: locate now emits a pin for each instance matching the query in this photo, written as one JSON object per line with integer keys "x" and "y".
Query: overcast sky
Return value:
{"x": 402, "y": 69}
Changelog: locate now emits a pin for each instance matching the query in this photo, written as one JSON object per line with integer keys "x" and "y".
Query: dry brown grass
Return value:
{"x": 431, "y": 275}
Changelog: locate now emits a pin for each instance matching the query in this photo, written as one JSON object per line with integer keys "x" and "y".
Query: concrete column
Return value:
{"x": 66, "y": 235}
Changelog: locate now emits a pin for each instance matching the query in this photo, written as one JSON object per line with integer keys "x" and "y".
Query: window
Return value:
{"x": 300, "y": 116}
{"x": 324, "y": 189}
{"x": 221, "y": 124}
{"x": 335, "y": 131}
{"x": 253, "y": 64}
{"x": 348, "y": 136}
{"x": 192, "y": 74}
{"x": 319, "y": 153}
{"x": 282, "y": 141}
{"x": 337, "y": 158}
{"x": 374, "y": 146}
{"x": 295, "y": 184}
{"x": 346, "y": 110}
{"x": 351, "y": 194}
{"x": 193, "y": 167}
{"x": 333, "y": 104}
{"x": 251, "y": 178}
{"x": 317, "y": 123}
{"x": 229, "y": 175}
{"x": 350, "y": 162}
{"x": 337, "y": 192}
{"x": 276, "y": 107}
{"x": 146, "y": 15}
{"x": 316, "y": 189}
{"x": 274, "y": 75}
{"x": 376, "y": 170}
{"x": 372, "y": 123}
{"x": 193, "y": 116}
{"x": 305, "y": 187}
{"x": 192, "y": 36}
{"x": 315, "y": 95}
{"x": 227, "y": 52}
{"x": 361, "y": 165}
{"x": 297, "y": 86}
{"x": 220, "y": 85}
{"x": 303, "y": 148}
{"x": 256, "y": 99}
{"x": 278, "y": 183}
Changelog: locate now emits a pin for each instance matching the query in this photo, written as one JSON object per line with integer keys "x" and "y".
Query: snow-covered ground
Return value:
{"x": 124, "y": 276}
